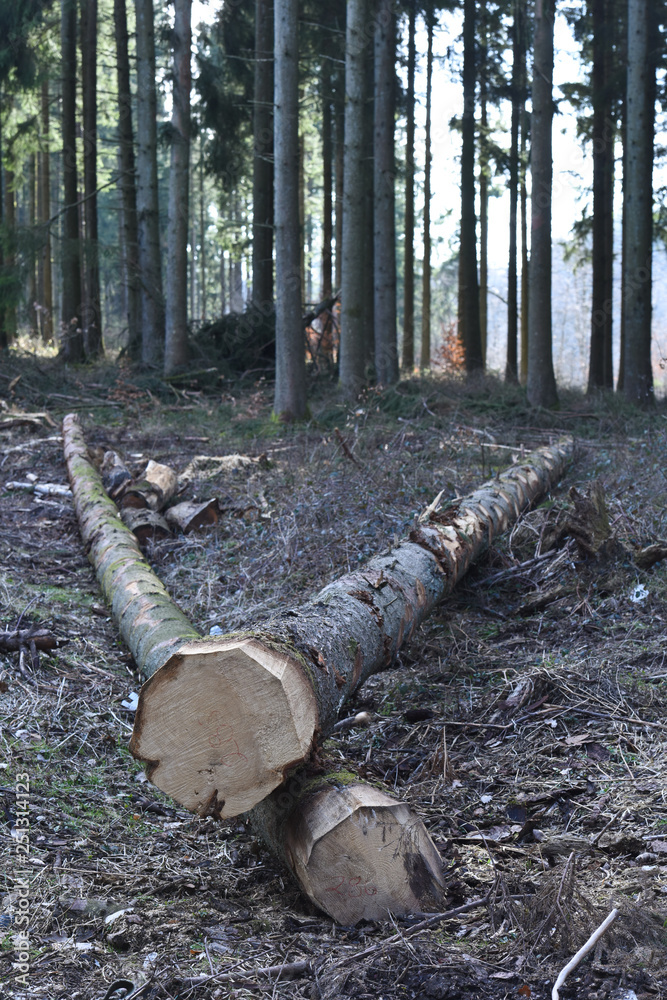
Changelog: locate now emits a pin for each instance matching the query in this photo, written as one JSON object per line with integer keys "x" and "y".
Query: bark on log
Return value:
{"x": 224, "y": 720}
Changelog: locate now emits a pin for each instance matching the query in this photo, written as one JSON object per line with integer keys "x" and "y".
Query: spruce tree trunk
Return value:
{"x": 4, "y": 338}
{"x": 469, "y": 320}
{"x": 339, "y": 165}
{"x": 223, "y": 719}
{"x": 368, "y": 321}
{"x": 384, "y": 250}
{"x": 600, "y": 371}
{"x": 518, "y": 101}
{"x": 638, "y": 204}
{"x": 408, "y": 357}
{"x": 262, "y": 178}
{"x": 483, "y": 182}
{"x": 220, "y": 720}
{"x": 46, "y": 274}
{"x": 176, "y": 325}
{"x": 202, "y": 229}
{"x": 327, "y": 186}
{"x": 92, "y": 318}
{"x": 31, "y": 285}
{"x": 541, "y": 383}
{"x": 71, "y": 334}
{"x": 354, "y": 266}
{"x": 127, "y": 180}
{"x": 425, "y": 351}
{"x": 290, "y": 390}
{"x": 525, "y": 268}
{"x": 148, "y": 211}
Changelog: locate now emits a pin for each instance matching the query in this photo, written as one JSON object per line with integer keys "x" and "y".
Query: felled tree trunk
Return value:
{"x": 224, "y": 720}
{"x": 221, "y": 721}
{"x": 229, "y": 717}
{"x": 357, "y": 853}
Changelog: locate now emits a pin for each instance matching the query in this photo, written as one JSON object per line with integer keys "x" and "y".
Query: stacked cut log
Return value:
{"x": 144, "y": 503}
{"x": 221, "y": 723}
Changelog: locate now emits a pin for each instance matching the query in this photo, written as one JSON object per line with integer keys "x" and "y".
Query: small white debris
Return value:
{"x": 131, "y": 702}
{"x": 639, "y": 594}
{"x": 215, "y": 630}
{"x": 485, "y": 799}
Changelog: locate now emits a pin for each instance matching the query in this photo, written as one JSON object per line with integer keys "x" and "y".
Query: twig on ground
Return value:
{"x": 346, "y": 448}
{"x": 415, "y": 929}
{"x": 245, "y": 976}
{"x": 581, "y": 954}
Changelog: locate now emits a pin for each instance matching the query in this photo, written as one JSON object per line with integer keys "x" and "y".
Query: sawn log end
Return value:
{"x": 220, "y": 723}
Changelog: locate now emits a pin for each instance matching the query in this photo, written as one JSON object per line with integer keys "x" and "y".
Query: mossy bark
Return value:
{"x": 150, "y": 623}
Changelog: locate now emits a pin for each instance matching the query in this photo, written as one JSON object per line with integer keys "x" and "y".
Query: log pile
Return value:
{"x": 222, "y": 723}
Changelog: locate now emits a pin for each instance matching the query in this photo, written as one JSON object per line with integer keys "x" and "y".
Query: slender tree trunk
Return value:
{"x": 127, "y": 180}
{"x": 409, "y": 260}
{"x": 72, "y": 345}
{"x": 262, "y": 184}
{"x": 340, "y": 150}
{"x": 31, "y": 286}
{"x": 290, "y": 390}
{"x": 202, "y": 228}
{"x": 148, "y": 212}
{"x": 368, "y": 322}
{"x": 541, "y": 384}
{"x": 425, "y": 353}
{"x": 525, "y": 268}
{"x": 483, "y": 181}
{"x": 223, "y": 284}
{"x": 4, "y": 337}
{"x": 518, "y": 102}
{"x": 600, "y": 373}
{"x": 92, "y": 318}
{"x": 176, "y": 337}
{"x": 353, "y": 263}
{"x": 10, "y": 252}
{"x": 638, "y": 197}
{"x": 46, "y": 284}
{"x": 327, "y": 184}
{"x": 469, "y": 321}
{"x": 386, "y": 353}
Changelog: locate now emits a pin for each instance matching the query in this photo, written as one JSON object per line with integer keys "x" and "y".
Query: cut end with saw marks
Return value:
{"x": 361, "y": 855}
{"x": 221, "y": 721}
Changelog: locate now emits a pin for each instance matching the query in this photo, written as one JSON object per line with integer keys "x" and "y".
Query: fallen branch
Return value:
{"x": 581, "y": 954}
{"x": 242, "y": 977}
{"x": 44, "y": 641}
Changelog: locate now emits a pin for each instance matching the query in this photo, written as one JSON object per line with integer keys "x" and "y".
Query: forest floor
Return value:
{"x": 544, "y": 678}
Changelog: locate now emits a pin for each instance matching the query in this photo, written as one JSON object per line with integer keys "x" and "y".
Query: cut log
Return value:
{"x": 357, "y": 853}
{"x": 221, "y": 721}
{"x": 191, "y": 516}
{"x": 145, "y": 523}
{"x": 164, "y": 478}
{"x": 115, "y": 476}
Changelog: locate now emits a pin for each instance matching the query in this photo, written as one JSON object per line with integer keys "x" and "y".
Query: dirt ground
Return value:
{"x": 524, "y": 722}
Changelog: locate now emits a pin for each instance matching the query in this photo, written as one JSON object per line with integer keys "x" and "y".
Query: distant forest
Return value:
{"x": 246, "y": 195}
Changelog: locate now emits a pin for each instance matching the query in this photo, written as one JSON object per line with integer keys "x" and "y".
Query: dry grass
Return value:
{"x": 538, "y": 764}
